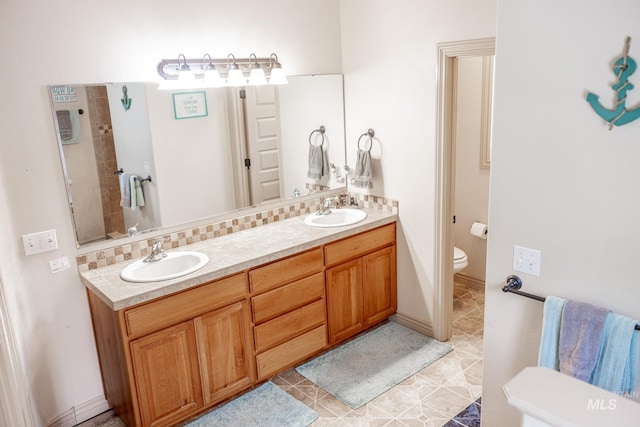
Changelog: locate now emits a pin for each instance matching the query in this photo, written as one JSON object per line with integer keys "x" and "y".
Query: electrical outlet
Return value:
{"x": 526, "y": 260}
{"x": 40, "y": 242}
{"x": 59, "y": 264}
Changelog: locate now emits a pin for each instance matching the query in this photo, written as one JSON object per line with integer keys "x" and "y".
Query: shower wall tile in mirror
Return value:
{"x": 105, "y": 154}
{"x": 93, "y": 260}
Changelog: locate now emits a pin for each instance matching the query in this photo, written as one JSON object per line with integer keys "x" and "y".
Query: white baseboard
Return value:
{"x": 66, "y": 419}
{"x": 413, "y": 323}
{"x": 91, "y": 408}
{"x": 81, "y": 413}
{"x": 463, "y": 279}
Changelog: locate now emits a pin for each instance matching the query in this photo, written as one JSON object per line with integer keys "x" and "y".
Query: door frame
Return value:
{"x": 15, "y": 409}
{"x": 445, "y": 109}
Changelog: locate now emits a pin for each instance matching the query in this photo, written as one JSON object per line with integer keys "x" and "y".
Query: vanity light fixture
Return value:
{"x": 256, "y": 75}
{"x": 183, "y": 73}
{"x": 235, "y": 77}
{"x": 211, "y": 76}
{"x": 277, "y": 73}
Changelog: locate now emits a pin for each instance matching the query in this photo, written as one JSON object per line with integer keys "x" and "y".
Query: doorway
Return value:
{"x": 256, "y": 144}
{"x": 448, "y": 53}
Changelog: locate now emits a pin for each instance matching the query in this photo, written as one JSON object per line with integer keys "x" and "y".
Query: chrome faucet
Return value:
{"x": 133, "y": 230}
{"x": 157, "y": 250}
{"x": 329, "y": 202}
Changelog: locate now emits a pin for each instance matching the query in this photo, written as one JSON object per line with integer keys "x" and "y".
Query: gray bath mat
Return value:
{"x": 265, "y": 406}
{"x": 364, "y": 368}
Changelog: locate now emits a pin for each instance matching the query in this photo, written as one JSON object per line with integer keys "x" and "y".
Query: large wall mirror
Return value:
{"x": 137, "y": 156}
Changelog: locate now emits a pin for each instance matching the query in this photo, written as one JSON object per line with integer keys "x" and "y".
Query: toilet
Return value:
{"x": 460, "y": 260}
{"x": 547, "y": 398}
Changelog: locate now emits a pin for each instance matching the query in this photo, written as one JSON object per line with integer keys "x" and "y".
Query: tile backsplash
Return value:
{"x": 141, "y": 248}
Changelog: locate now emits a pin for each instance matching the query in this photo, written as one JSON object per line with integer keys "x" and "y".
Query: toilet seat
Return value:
{"x": 458, "y": 254}
{"x": 460, "y": 260}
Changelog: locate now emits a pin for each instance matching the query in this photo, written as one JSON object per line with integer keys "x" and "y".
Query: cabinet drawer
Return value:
{"x": 287, "y": 270}
{"x": 289, "y": 325}
{"x": 286, "y": 298}
{"x": 291, "y": 352}
{"x": 185, "y": 305}
{"x": 360, "y": 244}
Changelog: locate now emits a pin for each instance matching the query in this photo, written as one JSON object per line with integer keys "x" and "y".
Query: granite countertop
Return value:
{"x": 227, "y": 255}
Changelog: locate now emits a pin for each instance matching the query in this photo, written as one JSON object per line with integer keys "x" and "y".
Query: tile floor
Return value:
{"x": 445, "y": 393}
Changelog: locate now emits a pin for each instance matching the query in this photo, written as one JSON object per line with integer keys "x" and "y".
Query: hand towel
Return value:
{"x": 616, "y": 361}
{"x": 132, "y": 191}
{"x": 318, "y": 162}
{"x": 580, "y": 337}
{"x": 64, "y": 124}
{"x": 548, "y": 356}
{"x": 69, "y": 126}
{"x": 139, "y": 193}
{"x": 125, "y": 190}
{"x": 362, "y": 176}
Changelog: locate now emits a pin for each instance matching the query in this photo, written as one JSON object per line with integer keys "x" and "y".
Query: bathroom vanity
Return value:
{"x": 270, "y": 298}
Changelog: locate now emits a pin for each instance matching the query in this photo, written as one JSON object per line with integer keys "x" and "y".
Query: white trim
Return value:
{"x": 485, "y": 120}
{"x": 81, "y": 413}
{"x": 91, "y": 408}
{"x": 443, "y": 267}
{"x": 66, "y": 419}
{"x": 413, "y": 323}
{"x": 15, "y": 409}
{"x": 463, "y": 279}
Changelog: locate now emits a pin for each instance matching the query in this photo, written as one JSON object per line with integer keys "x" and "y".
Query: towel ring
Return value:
{"x": 371, "y": 133}
{"x": 320, "y": 130}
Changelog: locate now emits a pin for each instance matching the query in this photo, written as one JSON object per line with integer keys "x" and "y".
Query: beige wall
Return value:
{"x": 560, "y": 181}
{"x": 60, "y": 42}
{"x": 471, "y": 185}
{"x": 389, "y": 57}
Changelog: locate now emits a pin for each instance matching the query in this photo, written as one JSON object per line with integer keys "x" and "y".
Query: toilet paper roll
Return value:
{"x": 479, "y": 229}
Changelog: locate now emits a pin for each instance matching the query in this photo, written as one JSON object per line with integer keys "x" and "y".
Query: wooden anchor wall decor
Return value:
{"x": 620, "y": 115}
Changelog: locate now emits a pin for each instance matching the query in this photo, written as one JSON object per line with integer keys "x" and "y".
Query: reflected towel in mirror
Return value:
{"x": 69, "y": 126}
{"x": 135, "y": 190}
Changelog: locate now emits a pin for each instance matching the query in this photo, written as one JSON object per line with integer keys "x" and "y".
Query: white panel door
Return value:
{"x": 263, "y": 140}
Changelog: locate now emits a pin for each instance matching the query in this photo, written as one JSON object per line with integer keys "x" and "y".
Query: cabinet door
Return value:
{"x": 379, "y": 285}
{"x": 167, "y": 376}
{"x": 225, "y": 351}
{"x": 344, "y": 300}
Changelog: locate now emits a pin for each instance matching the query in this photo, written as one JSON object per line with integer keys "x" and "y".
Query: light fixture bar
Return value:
{"x": 169, "y": 69}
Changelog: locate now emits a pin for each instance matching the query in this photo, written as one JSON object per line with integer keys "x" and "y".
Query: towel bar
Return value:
{"x": 321, "y": 130}
{"x": 371, "y": 133}
{"x": 514, "y": 283}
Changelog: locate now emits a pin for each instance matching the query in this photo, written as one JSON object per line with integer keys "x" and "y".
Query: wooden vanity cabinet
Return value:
{"x": 289, "y": 311}
{"x": 360, "y": 282}
{"x": 167, "y": 360}
{"x": 172, "y": 358}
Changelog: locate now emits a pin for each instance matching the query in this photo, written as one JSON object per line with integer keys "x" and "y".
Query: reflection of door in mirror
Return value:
{"x": 263, "y": 144}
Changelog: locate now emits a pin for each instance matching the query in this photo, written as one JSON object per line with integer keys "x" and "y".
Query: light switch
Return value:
{"x": 40, "y": 242}
{"x": 526, "y": 260}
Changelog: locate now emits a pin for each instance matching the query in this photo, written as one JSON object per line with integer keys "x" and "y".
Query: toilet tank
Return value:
{"x": 549, "y": 398}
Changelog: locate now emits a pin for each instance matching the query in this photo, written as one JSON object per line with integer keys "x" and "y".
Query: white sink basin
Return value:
{"x": 336, "y": 218}
{"x": 175, "y": 264}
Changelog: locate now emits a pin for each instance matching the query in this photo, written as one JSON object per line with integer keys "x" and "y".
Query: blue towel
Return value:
{"x": 617, "y": 365}
{"x": 580, "y": 337}
{"x": 548, "y": 356}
